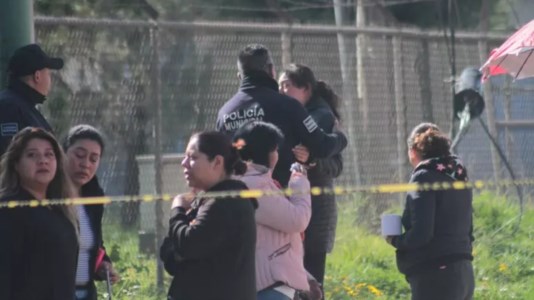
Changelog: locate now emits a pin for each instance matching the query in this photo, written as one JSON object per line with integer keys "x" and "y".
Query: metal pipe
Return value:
{"x": 16, "y": 30}
{"x": 158, "y": 165}
{"x": 268, "y": 27}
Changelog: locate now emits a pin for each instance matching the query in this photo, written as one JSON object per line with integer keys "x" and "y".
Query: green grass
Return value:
{"x": 137, "y": 271}
{"x": 362, "y": 265}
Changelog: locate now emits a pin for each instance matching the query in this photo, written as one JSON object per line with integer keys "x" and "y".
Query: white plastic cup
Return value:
{"x": 391, "y": 225}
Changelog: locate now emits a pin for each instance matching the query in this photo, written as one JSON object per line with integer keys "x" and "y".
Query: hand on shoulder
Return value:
{"x": 183, "y": 200}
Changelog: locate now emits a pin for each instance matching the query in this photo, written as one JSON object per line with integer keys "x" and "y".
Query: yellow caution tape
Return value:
{"x": 389, "y": 188}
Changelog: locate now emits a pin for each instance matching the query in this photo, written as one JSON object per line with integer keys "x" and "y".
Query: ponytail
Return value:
{"x": 235, "y": 165}
{"x": 213, "y": 143}
{"x": 324, "y": 91}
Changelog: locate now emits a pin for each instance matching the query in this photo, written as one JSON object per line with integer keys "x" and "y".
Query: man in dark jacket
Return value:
{"x": 29, "y": 82}
{"x": 258, "y": 99}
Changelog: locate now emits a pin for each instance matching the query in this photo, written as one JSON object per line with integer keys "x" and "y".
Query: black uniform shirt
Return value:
{"x": 17, "y": 111}
{"x": 258, "y": 99}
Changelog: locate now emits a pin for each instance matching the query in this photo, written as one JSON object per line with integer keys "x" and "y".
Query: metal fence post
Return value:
{"x": 156, "y": 89}
{"x": 425, "y": 88}
{"x": 361, "y": 50}
{"x": 507, "y": 101}
{"x": 287, "y": 48}
{"x": 490, "y": 111}
{"x": 400, "y": 111}
{"x": 349, "y": 99}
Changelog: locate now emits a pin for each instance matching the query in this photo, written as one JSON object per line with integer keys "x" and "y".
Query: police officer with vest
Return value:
{"x": 258, "y": 99}
{"x": 29, "y": 82}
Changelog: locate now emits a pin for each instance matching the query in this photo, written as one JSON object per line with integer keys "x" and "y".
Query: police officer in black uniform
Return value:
{"x": 258, "y": 99}
{"x": 29, "y": 82}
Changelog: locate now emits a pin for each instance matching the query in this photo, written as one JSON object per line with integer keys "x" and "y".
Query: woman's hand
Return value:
{"x": 302, "y": 154}
{"x": 297, "y": 170}
{"x": 183, "y": 200}
{"x": 337, "y": 125}
{"x": 114, "y": 277}
{"x": 315, "y": 292}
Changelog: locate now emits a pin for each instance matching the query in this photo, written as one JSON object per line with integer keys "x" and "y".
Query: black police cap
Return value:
{"x": 30, "y": 58}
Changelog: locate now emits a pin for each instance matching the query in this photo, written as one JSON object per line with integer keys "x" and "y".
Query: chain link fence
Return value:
{"x": 148, "y": 86}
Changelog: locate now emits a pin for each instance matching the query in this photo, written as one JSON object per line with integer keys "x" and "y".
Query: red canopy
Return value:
{"x": 515, "y": 56}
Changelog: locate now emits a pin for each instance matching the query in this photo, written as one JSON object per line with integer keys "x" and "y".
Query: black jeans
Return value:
{"x": 315, "y": 264}
{"x": 452, "y": 281}
{"x": 89, "y": 290}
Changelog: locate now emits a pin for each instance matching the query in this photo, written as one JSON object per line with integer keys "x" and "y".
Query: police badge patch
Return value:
{"x": 9, "y": 129}
{"x": 310, "y": 124}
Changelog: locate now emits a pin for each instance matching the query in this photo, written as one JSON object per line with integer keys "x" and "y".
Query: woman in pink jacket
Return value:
{"x": 280, "y": 220}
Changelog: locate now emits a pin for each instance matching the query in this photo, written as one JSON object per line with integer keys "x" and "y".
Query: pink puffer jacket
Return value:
{"x": 279, "y": 222}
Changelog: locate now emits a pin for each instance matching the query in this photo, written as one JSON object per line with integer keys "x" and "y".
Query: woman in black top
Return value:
{"x": 38, "y": 245}
{"x": 211, "y": 242}
{"x": 84, "y": 146}
{"x": 434, "y": 252}
{"x": 299, "y": 82}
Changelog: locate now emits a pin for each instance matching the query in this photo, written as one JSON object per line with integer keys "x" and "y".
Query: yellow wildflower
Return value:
{"x": 373, "y": 289}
